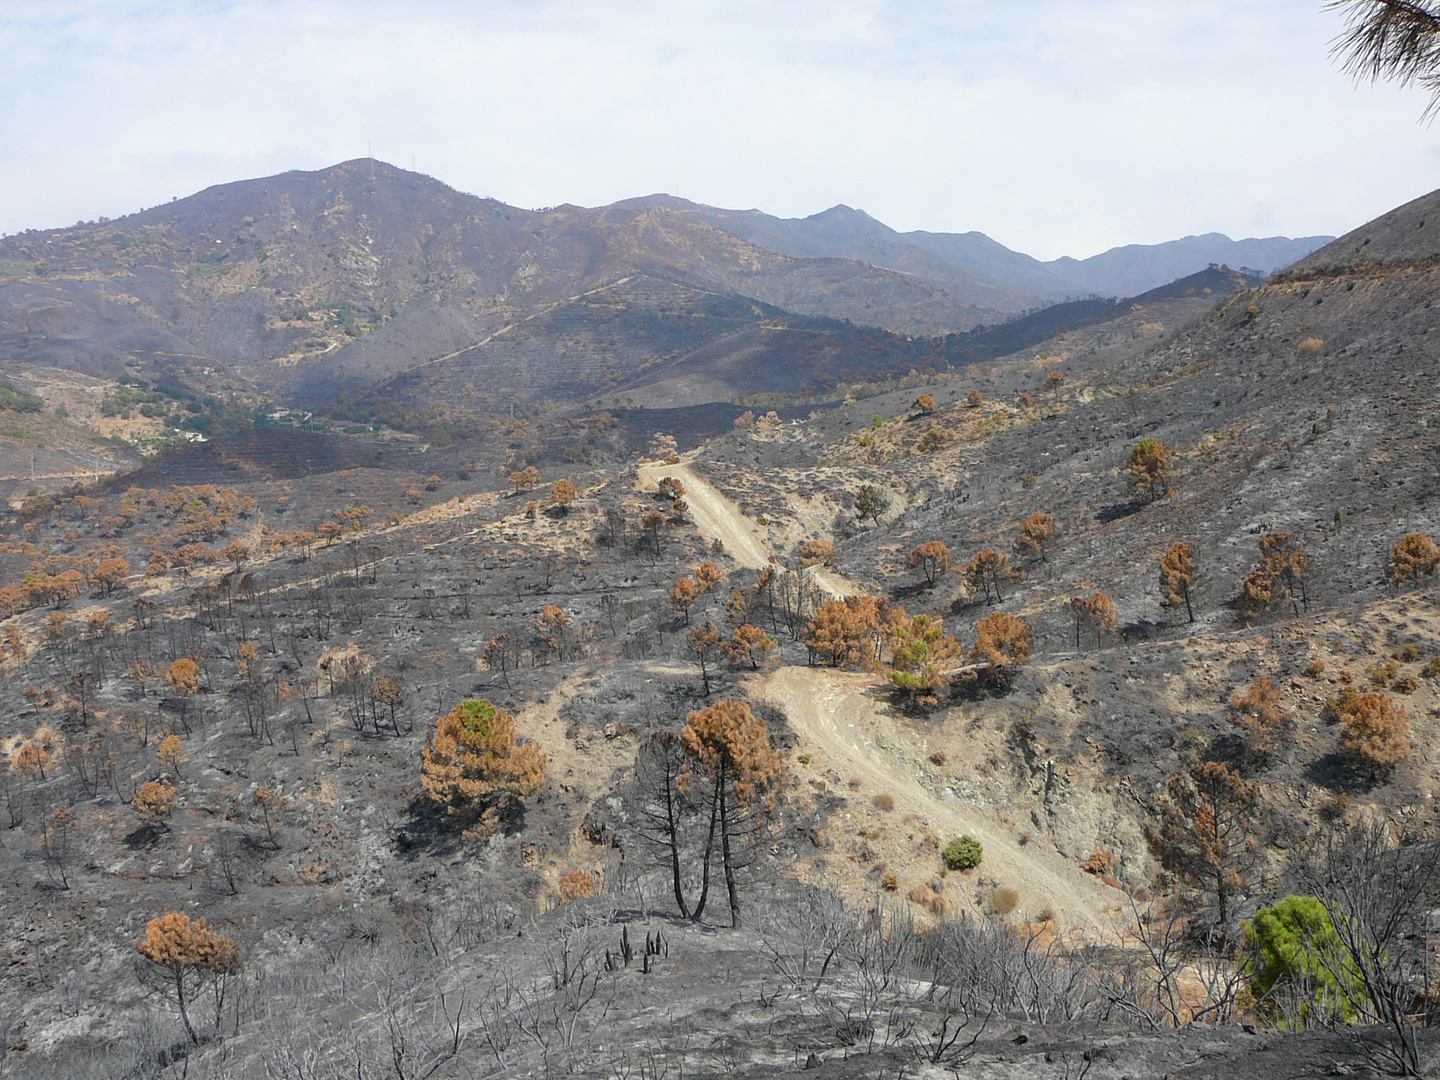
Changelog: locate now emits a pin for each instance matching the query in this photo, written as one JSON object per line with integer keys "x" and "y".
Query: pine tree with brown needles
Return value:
{"x": 1036, "y": 534}
{"x": 1096, "y": 611}
{"x": 1177, "y": 573}
{"x": 472, "y": 767}
{"x": 732, "y": 749}
{"x": 748, "y": 644}
{"x": 1002, "y": 643}
{"x": 153, "y": 801}
{"x": 1259, "y": 711}
{"x": 708, "y": 575}
{"x": 932, "y": 559}
{"x": 816, "y": 552}
{"x": 849, "y": 632}
{"x": 1208, "y": 820}
{"x": 1375, "y": 731}
{"x": 1412, "y": 557}
{"x": 1283, "y": 573}
{"x": 987, "y": 570}
{"x": 552, "y": 630}
{"x": 1147, "y": 469}
{"x": 562, "y": 494}
{"x": 185, "y": 957}
{"x": 683, "y": 594}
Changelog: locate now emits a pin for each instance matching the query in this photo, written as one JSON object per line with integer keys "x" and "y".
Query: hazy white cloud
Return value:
{"x": 1056, "y": 126}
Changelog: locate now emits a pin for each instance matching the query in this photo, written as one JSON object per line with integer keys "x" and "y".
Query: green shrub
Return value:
{"x": 1297, "y": 966}
{"x": 16, "y": 400}
{"x": 963, "y": 853}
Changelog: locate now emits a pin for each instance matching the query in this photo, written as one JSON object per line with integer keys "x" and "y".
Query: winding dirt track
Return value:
{"x": 844, "y": 728}
{"x": 715, "y": 516}
{"x": 840, "y": 725}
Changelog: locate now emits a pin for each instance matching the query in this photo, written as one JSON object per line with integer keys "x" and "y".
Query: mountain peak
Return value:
{"x": 842, "y": 212}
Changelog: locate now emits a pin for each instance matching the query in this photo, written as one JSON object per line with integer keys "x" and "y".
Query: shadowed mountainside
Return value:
{"x": 306, "y": 285}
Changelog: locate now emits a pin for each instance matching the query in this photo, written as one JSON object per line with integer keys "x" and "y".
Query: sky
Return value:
{"x": 1058, "y": 127}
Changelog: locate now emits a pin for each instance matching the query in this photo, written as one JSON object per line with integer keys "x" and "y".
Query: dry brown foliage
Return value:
{"x": 1375, "y": 730}
{"x": 1283, "y": 573}
{"x": 1177, "y": 574}
{"x": 577, "y": 885}
{"x": 1036, "y": 533}
{"x": 816, "y": 552}
{"x": 526, "y": 478}
{"x": 153, "y": 801}
{"x": 748, "y": 644}
{"x": 183, "y": 676}
{"x": 1257, "y": 710}
{"x": 563, "y": 493}
{"x": 934, "y": 439}
{"x": 683, "y": 594}
{"x": 1002, "y": 643}
{"x": 472, "y": 767}
{"x": 849, "y": 632}
{"x": 987, "y": 571}
{"x": 1413, "y": 556}
{"x": 189, "y": 954}
{"x": 171, "y": 752}
{"x": 708, "y": 575}
{"x": 1096, "y": 611}
{"x": 30, "y": 760}
{"x": 1146, "y": 469}
{"x": 1206, "y": 833}
{"x": 932, "y": 559}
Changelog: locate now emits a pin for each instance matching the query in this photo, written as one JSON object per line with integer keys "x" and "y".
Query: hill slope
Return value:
{"x": 332, "y": 599}
{"x": 303, "y": 286}
{"x": 309, "y": 283}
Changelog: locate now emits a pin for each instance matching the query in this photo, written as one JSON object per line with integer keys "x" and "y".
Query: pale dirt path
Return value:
{"x": 715, "y": 516}
{"x": 520, "y": 322}
{"x": 837, "y": 586}
{"x": 838, "y": 726}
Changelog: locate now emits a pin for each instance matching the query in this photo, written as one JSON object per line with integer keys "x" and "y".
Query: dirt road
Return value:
{"x": 715, "y": 516}
{"x": 845, "y": 733}
{"x": 843, "y": 728}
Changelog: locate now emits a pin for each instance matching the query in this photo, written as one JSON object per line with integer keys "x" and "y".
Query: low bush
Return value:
{"x": 1003, "y": 901}
{"x": 963, "y": 853}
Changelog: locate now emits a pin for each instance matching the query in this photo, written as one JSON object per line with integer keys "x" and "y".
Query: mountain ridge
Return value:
{"x": 302, "y": 286}
{"x": 1124, "y": 270}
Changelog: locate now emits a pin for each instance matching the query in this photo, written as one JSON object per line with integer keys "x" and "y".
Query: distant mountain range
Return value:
{"x": 310, "y": 285}
{"x": 973, "y": 266}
